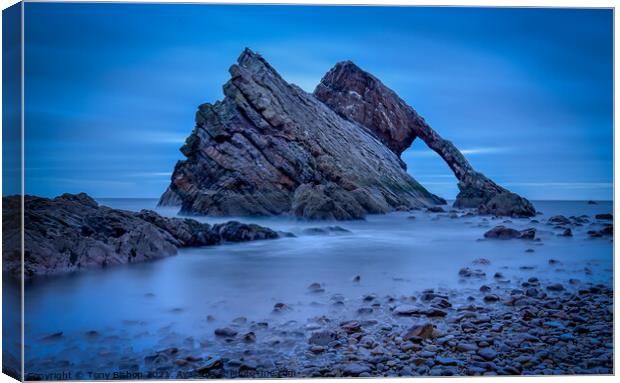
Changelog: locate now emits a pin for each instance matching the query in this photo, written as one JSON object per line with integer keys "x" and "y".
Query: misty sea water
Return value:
{"x": 183, "y": 298}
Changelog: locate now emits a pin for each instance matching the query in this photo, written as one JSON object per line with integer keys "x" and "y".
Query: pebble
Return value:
{"x": 355, "y": 369}
{"x": 487, "y": 353}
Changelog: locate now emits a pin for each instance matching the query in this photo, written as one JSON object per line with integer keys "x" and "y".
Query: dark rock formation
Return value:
{"x": 72, "y": 232}
{"x": 269, "y": 148}
{"x": 360, "y": 97}
{"x": 503, "y": 232}
{"x": 604, "y": 216}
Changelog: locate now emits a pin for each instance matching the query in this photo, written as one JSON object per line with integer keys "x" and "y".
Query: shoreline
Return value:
{"x": 324, "y": 328}
{"x": 504, "y": 327}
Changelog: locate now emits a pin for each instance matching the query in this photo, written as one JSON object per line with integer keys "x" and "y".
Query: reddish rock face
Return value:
{"x": 362, "y": 98}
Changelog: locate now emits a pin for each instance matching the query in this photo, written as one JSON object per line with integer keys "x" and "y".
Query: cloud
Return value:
{"x": 489, "y": 150}
{"x": 564, "y": 185}
{"x": 149, "y": 174}
{"x": 425, "y": 153}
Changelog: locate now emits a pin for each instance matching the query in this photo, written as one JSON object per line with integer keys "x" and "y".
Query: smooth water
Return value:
{"x": 166, "y": 302}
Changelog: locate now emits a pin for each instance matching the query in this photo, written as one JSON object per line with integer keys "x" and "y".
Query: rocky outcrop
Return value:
{"x": 269, "y": 148}
{"x": 362, "y": 98}
{"x": 72, "y": 232}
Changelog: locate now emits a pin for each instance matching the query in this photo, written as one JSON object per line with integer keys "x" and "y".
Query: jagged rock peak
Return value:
{"x": 270, "y": 148}
{"x": 361, "y": 97}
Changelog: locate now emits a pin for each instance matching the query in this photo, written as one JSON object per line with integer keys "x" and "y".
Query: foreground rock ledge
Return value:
{"x": 72, "y": 232}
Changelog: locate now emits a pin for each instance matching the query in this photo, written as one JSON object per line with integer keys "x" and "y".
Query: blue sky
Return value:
{"x": 111, "y": 89}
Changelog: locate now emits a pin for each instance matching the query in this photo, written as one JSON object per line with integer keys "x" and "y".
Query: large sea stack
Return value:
{"x": 269, "y": 148}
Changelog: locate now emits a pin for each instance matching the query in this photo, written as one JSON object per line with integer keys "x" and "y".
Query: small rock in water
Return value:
{"x": 369, "y": 297}
{"x": 559, "y": 220}
{"x": 466, "y": 347}
{"x": 567, "y": 233}
{"x": 466, "y": 272}
{"x": 406, "y": 310}
{"x": 351, "y": 326}
{"x": 532, "y": 292}
{"x": 590, "y": 202}
{"x": 250, "y": 337}
{"x": 226, "y": 332}
{"x": 435, "y": 209}
{"x": 433, "y": 312}
{"x": 357, "y": 278}
{"x": 211, "y": 364}
{"x": 280, "y": 307}
{"x": 364, "y": 310}
{"x": 503, "y": 232}
{"x": 54, "y": 336}
{"x": 485, "y": 288}
{"x": 529, "y": 250}
{"x": 322, "y": 338}
{"x": 553, "y": 262}
{"x": 491, "y": 298}
{"x": 240, "y": 320}
{"x": 555, "y": 287}
{"x": 316, "y": 288}
{"x": 606, "y": 216}
{"x": 481, "y": 261}
{"x": 317, "y": 349}
{"x": 445, "y": 361}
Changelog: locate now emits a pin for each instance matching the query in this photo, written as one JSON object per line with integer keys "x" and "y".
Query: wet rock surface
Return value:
{"x": 73, "y": 232}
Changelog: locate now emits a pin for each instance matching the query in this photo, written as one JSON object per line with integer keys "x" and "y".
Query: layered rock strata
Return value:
{"x": 269, "y": 148}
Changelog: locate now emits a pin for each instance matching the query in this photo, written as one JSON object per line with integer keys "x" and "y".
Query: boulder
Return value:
{"x": 503, "y": 232}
